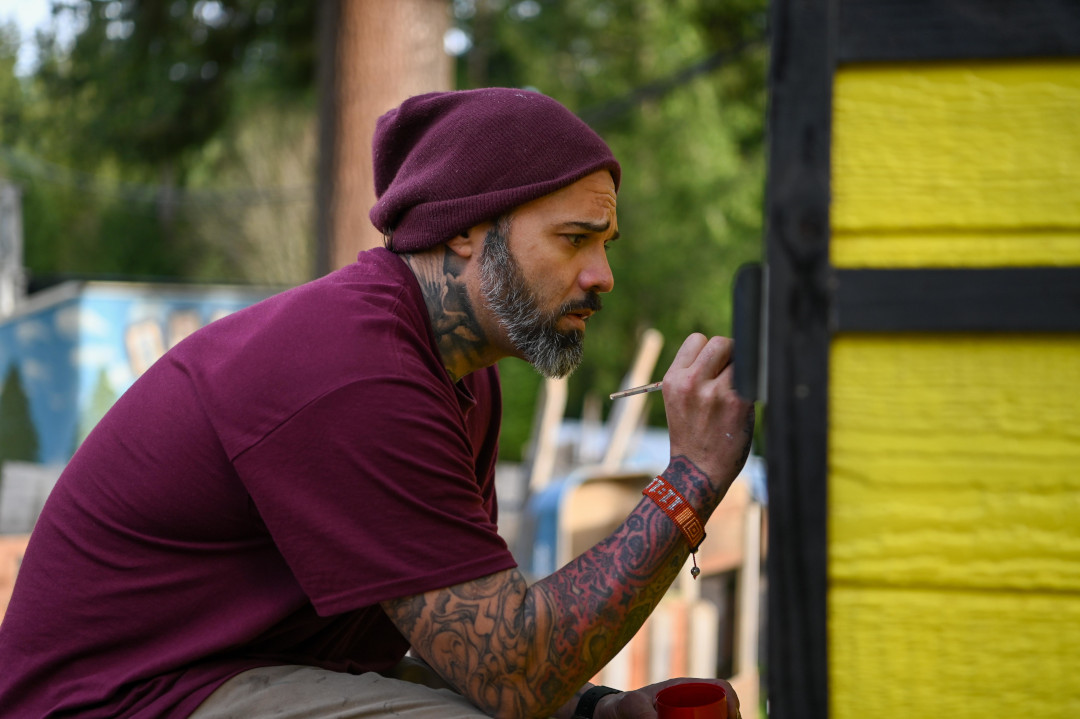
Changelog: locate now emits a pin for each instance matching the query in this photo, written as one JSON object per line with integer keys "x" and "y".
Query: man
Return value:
{"x": 298, "y": 494}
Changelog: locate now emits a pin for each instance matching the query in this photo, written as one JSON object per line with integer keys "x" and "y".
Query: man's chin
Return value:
{"x": 572, "y": 338}
{"x": 559, "y": 371}
{"x": 556, "y": 362}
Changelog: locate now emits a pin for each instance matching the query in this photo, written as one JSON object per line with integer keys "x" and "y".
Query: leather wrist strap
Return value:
{"x": 681, "y": 513}
{"x": 587, "y": 704}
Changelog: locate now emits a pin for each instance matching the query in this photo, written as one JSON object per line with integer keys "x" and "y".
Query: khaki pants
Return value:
{"x": 295, "y": 692}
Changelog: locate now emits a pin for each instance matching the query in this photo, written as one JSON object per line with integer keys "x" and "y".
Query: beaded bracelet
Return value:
{"x": 681, "y": 513}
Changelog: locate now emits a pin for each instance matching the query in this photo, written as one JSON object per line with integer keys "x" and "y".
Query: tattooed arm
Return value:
{"x": 521, "y": 651}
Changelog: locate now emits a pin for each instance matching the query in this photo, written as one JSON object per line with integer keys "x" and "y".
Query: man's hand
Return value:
{"x": 709, "y": 424}
{"x": 639, "y": 704}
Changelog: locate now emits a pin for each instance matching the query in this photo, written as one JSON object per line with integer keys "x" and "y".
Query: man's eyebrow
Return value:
{"x": 594, "y": 227}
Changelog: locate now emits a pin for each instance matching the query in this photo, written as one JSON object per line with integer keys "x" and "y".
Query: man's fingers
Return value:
{"x": 714, "y": 357}
{"x": 704, "y": 357}
{"x": 712, "y": 360}
{"x": 691, "y": 348}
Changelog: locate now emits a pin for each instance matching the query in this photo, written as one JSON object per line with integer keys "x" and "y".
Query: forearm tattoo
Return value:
{"x": 522, "y": 651}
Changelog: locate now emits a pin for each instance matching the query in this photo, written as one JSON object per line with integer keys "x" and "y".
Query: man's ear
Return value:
{"x": 470, "y": 241}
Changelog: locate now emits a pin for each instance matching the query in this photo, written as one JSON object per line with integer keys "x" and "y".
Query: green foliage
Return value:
{"x": 677, "y": 88}
{"x": 11, "y": 96}
{"x": 112, "y": 139}
{"x": 154, "y": 79}
{"x": 521, "y": 385}
{"x": 266, "y": 235}
{"x": 18, "y": 436}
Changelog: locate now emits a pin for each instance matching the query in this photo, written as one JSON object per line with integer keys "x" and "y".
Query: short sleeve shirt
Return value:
{"x": 250, "y": 501}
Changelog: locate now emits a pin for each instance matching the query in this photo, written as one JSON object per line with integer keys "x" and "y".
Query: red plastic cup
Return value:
{"x": 692, "y": 700}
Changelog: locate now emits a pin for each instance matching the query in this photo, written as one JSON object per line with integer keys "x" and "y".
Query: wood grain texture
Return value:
{"x": 954, "y": 461}
{"x": 976, "y": 249}
{"x": 955, "y": 654}
{"x": 956, "y": 147}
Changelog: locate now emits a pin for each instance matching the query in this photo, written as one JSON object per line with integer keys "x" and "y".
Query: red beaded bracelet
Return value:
{"x": 681, "y": 513}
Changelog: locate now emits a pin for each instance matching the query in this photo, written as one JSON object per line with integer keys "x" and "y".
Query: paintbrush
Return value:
{"x": 638, "y": 390}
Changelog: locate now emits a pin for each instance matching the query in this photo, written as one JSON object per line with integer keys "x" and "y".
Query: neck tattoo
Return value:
{"x": 460, "y": 338}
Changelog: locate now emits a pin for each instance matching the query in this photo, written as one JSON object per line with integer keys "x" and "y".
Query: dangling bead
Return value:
{"x": 694, "y": 571}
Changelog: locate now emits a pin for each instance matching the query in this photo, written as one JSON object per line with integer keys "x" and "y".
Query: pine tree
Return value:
{"x": 18, "y": 437}
{"x": 103, "y": 398}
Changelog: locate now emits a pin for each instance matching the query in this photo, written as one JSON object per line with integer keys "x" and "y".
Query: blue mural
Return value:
{"x": 77, "y": 347}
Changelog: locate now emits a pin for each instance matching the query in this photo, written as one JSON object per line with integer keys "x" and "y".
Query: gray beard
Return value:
{"x": 532, "y": 331}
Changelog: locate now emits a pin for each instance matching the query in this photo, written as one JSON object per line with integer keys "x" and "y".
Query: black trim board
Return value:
{"x": 897, "y": 30}
{"x": 1014, "y": 299}
{"x": 797, "y": 256}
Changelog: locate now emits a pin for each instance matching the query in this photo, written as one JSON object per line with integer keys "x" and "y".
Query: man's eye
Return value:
{"x": 576, "y": 240}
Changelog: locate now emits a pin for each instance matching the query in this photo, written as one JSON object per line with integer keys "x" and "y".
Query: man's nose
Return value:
{"x": 596, "y": 276}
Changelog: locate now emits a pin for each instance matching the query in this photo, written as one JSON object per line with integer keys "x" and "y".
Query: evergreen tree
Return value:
{"x": 18, "y": 436}
{"x": 103, "y": 398}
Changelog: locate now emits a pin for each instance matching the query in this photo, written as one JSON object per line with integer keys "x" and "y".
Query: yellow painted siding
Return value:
{"x": 939, "y": 249}
{"x": 954, "y": 460}
{"x": 954, "y": 654}
{"x": 957, "y": 164}
{"x": 954, "y": 526}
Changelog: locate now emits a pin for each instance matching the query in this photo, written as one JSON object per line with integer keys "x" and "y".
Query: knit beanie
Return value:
{"x": 447, "y": 161}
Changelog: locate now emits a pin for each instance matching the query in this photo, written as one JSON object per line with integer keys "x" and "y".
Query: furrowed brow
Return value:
{"x": 593, "y": 227}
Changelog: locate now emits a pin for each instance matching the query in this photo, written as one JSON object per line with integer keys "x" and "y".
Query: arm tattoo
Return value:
{"x": 523, "y": 651}
{"x": 460, "y": 338}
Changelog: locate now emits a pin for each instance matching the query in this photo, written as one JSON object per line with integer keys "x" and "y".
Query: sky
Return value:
{"x": 28, "y": 15}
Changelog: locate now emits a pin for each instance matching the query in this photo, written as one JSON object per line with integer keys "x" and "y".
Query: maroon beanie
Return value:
{"x": 447, "y": 161}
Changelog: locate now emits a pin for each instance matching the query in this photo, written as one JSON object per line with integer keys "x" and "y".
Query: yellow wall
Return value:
{"x": 957, "y": 165}
{"x": 954, "y": 460}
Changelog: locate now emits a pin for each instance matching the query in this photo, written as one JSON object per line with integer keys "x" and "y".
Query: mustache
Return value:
{"x": 591, "y": 301}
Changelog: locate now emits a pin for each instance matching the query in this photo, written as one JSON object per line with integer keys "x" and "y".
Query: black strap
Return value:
{"x": 587, "y": 704}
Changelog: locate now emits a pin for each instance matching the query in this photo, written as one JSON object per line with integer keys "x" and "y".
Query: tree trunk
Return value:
{"x": 375, "y": 54}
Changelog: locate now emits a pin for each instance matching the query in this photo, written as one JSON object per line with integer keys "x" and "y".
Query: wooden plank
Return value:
{"x": 1036, "y": 299}
{"x": 964, "y": 147}
{"x": 889, "y": 30}
{"x": 797, "y": 241}
{"x": 12, "y": 549}
{"x": 971, "y": 248}
{"x": 963, "y": 655}
{"x": 953, "y": 461}
{"x": 749, "y": 611}
{"x": 628, "y": 414}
